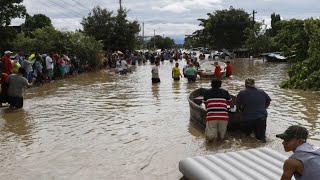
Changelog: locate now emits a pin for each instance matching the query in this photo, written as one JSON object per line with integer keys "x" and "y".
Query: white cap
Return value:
{"x": 8, "y": 52}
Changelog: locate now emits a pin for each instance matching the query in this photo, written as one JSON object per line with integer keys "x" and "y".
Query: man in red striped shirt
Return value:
{"x": 216, "y": 100}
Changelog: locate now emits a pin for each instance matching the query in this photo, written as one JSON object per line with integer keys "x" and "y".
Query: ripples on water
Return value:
{"x": 106, "y": 126}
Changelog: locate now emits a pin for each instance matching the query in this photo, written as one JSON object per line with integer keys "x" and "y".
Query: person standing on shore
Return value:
{"x": 304, "y": 163}
{"x": 155, "y": 73}
{"x": 253, "y": 104}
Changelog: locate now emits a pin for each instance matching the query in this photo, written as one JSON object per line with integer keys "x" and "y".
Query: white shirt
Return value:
{"x": 155, "y": 72}
{"x": 124, "y": 64}
{"x": 49, "y": 62}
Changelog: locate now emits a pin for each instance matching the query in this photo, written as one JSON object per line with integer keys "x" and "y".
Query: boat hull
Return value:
{"x": 207, "y": 69}
{"x": 198, "y": 114}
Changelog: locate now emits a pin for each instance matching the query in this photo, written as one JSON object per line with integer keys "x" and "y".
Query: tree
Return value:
{"x": 275, "y": 18}
{"x": 10, "y": 9}
{"x": 48, "y": 39}
{"x": 225, "y": 28}
{"x": 257, "y": 41}
{"x": 292, "y": 39}
{"x": 7, "y": 35}
{"x": 116, "y": 32}
{"x": 306, "y": 74}
{"x": 36, "y": 21}
{"x": 161, "y": 43}
{"x": 125, "y": 33}
{"x": 99, "y": 24}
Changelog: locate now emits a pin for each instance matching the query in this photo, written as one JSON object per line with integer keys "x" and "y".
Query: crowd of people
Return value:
{"x": 23, "y": 70}
{"x": 190, "y": 71}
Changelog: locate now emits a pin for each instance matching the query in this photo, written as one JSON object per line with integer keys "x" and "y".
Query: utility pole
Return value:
{"x": 142, "y": 36}
{"x": 154, "y": 39}
{"x": 253, "y": 13}
{"x": 120, "y": 5}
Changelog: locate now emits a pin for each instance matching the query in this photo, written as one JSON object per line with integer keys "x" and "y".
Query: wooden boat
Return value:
{"x": 199, "y": 114}
{"x": 207, "y": 69}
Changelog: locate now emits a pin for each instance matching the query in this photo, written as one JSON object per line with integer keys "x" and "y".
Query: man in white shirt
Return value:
{"x": 49, "y": 64}
{"x": 124, "y": 66}
{"x": 155, "y": 73}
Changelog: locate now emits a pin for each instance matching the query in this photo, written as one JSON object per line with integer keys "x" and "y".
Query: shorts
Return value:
{"x": 16, "y": 102}
{"x": 191, "y": 78}
{"x": 155, "y": 80}
{"x": 176, "y": 79}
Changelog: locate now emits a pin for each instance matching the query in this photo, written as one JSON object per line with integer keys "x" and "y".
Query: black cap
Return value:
{"x": 294, "y": 131}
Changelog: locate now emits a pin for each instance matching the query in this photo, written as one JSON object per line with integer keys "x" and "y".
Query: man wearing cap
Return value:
{"x": 253, "y": 104}
{"x": 304, "y": 164}
{"x": 6, "y": 63}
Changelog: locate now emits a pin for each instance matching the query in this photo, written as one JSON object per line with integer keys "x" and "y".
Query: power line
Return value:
{"x": 63, "y": 7}
{"x": 81, "y": 5}
{"x": 60, "y": 12}
{"x": 69, "y": 19}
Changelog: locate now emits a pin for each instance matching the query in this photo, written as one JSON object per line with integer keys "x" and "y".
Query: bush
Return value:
{"x": 48, "y": 39}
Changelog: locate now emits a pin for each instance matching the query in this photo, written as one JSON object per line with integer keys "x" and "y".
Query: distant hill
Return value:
{"x": 179, "y": 39}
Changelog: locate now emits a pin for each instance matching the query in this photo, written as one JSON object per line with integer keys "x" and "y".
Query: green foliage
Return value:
{"x": 87, "y": 49}
{"x": 275, "y": 18}
{"x": 10, "y": 9}
{"x": 98, "y": 24}
{"x": 306, "y": 74}
{"x": 226, "y": 28}
{"x": 292, "y": 39}
{"x": 7, "y": 35}
{"x": 35, "y": 22}
{"x": 256, "y": 41}
{"x": 116, "y": 32}
{"x": 161, "y": 43}
{"x": 48, "y": 40}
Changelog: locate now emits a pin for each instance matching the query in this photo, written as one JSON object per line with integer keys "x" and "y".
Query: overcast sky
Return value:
{"x": 173, "y": 18}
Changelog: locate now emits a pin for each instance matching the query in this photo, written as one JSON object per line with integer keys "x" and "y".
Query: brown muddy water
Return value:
{"x": 103, "y": 125}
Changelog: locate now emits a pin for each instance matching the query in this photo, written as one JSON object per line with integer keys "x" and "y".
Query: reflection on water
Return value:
{"x": 103, "y": 125}
{"x": 16, "y": 124}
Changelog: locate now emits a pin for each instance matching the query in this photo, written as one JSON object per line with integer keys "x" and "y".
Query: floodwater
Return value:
{"x": 103, "y": 125}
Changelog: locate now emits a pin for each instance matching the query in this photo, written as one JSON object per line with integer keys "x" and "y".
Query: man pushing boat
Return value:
{"x": 216, "y": 100}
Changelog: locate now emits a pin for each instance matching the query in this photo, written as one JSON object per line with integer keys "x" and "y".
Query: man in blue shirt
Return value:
{"x": 253, "y": 104}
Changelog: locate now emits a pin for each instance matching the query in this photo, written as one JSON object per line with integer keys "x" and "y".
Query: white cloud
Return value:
{"x": 173, "y": 8}
{"x": 188, "y": 5}
{"x": 168, "y": 17}
{"x": 171, "y": 29}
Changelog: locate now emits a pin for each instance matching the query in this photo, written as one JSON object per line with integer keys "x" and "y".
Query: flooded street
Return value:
{"x": 102, "y": 125}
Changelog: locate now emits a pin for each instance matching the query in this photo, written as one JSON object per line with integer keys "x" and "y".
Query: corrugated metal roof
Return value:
{"x": 252, "y": 164}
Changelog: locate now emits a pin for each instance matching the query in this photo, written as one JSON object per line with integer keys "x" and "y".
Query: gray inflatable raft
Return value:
{"x": 252, "y": 164}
